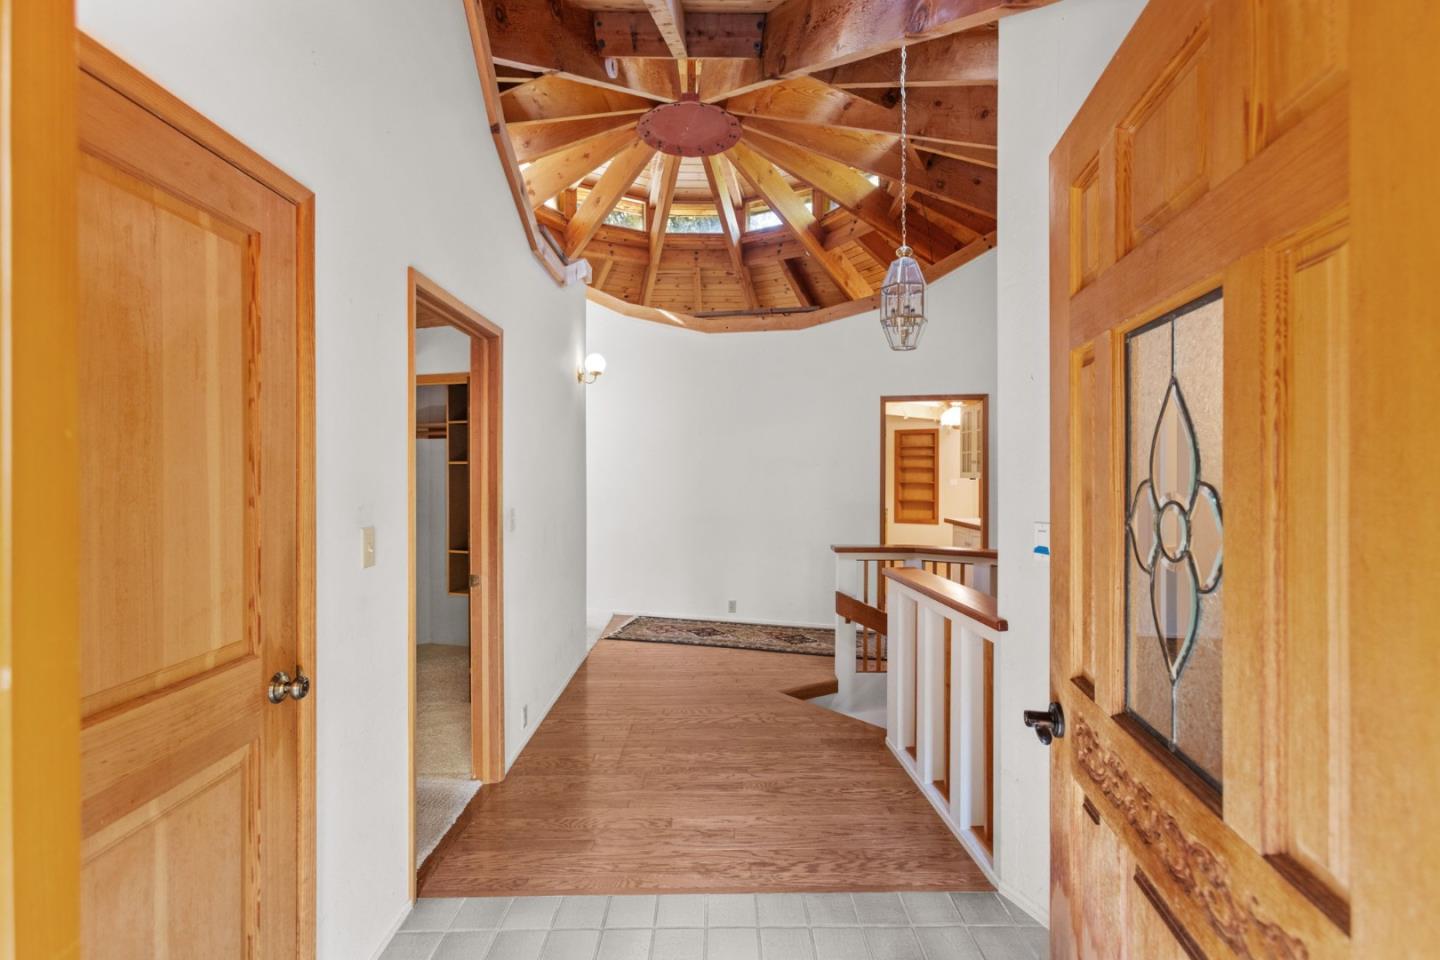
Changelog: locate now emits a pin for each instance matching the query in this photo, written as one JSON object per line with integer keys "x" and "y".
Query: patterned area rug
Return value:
{"x": 813, "y": 641}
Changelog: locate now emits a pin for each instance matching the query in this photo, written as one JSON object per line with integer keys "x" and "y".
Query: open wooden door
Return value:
{"x": 196, "y": 607}
{"x": 1212, "y": 389}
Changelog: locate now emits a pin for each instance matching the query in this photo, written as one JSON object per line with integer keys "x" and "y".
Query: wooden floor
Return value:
{"x": 679, "y": 769}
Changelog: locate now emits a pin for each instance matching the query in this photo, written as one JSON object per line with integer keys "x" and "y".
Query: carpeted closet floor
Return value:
{"x": 442, "y": 742}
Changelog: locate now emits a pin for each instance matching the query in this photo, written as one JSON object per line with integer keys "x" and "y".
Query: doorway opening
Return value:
{"x": 456, "y": 642}
{"x": 935, "y": 470}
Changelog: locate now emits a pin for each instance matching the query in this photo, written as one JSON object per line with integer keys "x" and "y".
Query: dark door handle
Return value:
{"x": 1047, "y": 724}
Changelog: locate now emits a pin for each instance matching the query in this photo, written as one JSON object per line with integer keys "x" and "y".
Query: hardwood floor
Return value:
{"x": 670, "y": 769}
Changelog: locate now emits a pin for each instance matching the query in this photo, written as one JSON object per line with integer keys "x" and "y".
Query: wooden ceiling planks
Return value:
{"x": 818, "y": 102}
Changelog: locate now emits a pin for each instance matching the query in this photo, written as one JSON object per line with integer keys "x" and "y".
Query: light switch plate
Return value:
{"x": 368, "y": 548}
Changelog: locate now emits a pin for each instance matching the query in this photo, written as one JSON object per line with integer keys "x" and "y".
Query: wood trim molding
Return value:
{"x": 871, "y": 618}
{"x": 958, "y": 554}
{"x": 39, "y": 487}
{"x": 540, "y": 245}
{"x": 487, "y": 651}
{"x": 968, "y": 601}
{"x": 105, "y": 66}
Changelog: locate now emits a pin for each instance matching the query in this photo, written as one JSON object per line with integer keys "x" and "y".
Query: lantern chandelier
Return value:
{"x": 902, "y": 298}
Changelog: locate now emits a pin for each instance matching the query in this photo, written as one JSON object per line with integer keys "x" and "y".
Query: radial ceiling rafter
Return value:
{"x": 795, "y": 223}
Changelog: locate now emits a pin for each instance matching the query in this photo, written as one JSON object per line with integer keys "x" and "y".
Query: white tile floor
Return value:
{"x": 779, "y": 926}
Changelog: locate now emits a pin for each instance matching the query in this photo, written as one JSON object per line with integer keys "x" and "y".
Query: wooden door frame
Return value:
{"x": 39, "y": 486}
{"x": 984, "y": 400}
{"x": 486, "y": 418}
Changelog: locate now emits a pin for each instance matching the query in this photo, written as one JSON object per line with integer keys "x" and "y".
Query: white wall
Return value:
{"x": 375, "y": 106}
{"x": 440, "y": 616}
{"x": 1049, "y": 60}
{"x": 700, "y": 494}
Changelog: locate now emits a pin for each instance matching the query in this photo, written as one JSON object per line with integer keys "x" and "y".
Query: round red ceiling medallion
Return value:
{"x": 689, "y": 128}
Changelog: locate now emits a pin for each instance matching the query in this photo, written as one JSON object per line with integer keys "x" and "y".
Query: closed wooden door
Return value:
{"x": 193, "y": 554}
{"x": 1201, "y": 278}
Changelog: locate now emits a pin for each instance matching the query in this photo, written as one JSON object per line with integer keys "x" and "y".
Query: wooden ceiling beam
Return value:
{"x": 798, "y": 287}
{"x": 790, "y": 208}
{"x": 964, "y": 59}
{"x": 669, "y": 17}
{"x": 959, "y": 115}
{"x": 664, "y": 194}
{"x": 551, "y": 36}
{"x": 621, "y": 33}
{"x": 970, "y": 185}
{"x": 553, "y": 97}
{"x": 803, "y": 36}
{"x": 536, "y": 140}
{"x": 621, "y": 172}
{"x": 849, "y": 188}
{"x": 730, "y": 227}
{"x": 549, "y": 175}
{"x": 601, "y": 274}
{"x": 538, "y": 242}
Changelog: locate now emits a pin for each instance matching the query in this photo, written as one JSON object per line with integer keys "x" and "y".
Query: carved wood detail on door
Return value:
{"x": 1239, "y": 921}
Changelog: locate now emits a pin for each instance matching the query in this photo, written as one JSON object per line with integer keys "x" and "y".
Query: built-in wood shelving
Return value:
{"x": 457, "y": 486}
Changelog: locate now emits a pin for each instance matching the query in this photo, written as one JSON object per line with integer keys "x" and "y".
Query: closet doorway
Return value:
{"x": 456, "y": 642}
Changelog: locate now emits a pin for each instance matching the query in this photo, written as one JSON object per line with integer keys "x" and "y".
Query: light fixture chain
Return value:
{"x": 904, "y": 157}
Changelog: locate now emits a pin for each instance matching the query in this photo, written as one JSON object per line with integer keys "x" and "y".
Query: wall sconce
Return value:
{"x": 590, "y": 372}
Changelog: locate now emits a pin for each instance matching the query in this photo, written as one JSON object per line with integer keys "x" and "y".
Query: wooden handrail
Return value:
{"x": 967, "y": 524}
{"x": 968, "y": 601}
{"x": 903, "y": 549}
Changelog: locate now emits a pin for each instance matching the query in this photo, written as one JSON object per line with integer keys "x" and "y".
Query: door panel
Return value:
{"x": 191, "y": 542}
{"x": 1200, "y": 369}
{"x": 166, "y": 297}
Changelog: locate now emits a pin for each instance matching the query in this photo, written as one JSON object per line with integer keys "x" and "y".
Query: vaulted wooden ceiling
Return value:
{"x": 796, "y": 223}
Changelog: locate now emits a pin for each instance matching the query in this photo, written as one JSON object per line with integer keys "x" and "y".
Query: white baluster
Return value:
{"x": 900, "y": 678}
{"x": 930, "y": 709}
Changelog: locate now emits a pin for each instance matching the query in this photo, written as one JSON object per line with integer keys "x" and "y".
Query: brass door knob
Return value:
{"x": 282, "y": 686}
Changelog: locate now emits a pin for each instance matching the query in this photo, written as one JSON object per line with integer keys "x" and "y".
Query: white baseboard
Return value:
{"x": 512, "y": 756}
{"x": 1041, "y": 912}
{"x": 394, "y": 929}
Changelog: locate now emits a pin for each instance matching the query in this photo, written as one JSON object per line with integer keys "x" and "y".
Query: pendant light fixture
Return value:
{"x": 902, "y": 297}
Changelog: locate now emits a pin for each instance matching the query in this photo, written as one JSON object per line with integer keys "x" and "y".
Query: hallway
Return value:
{"x": 679, "y": 769}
